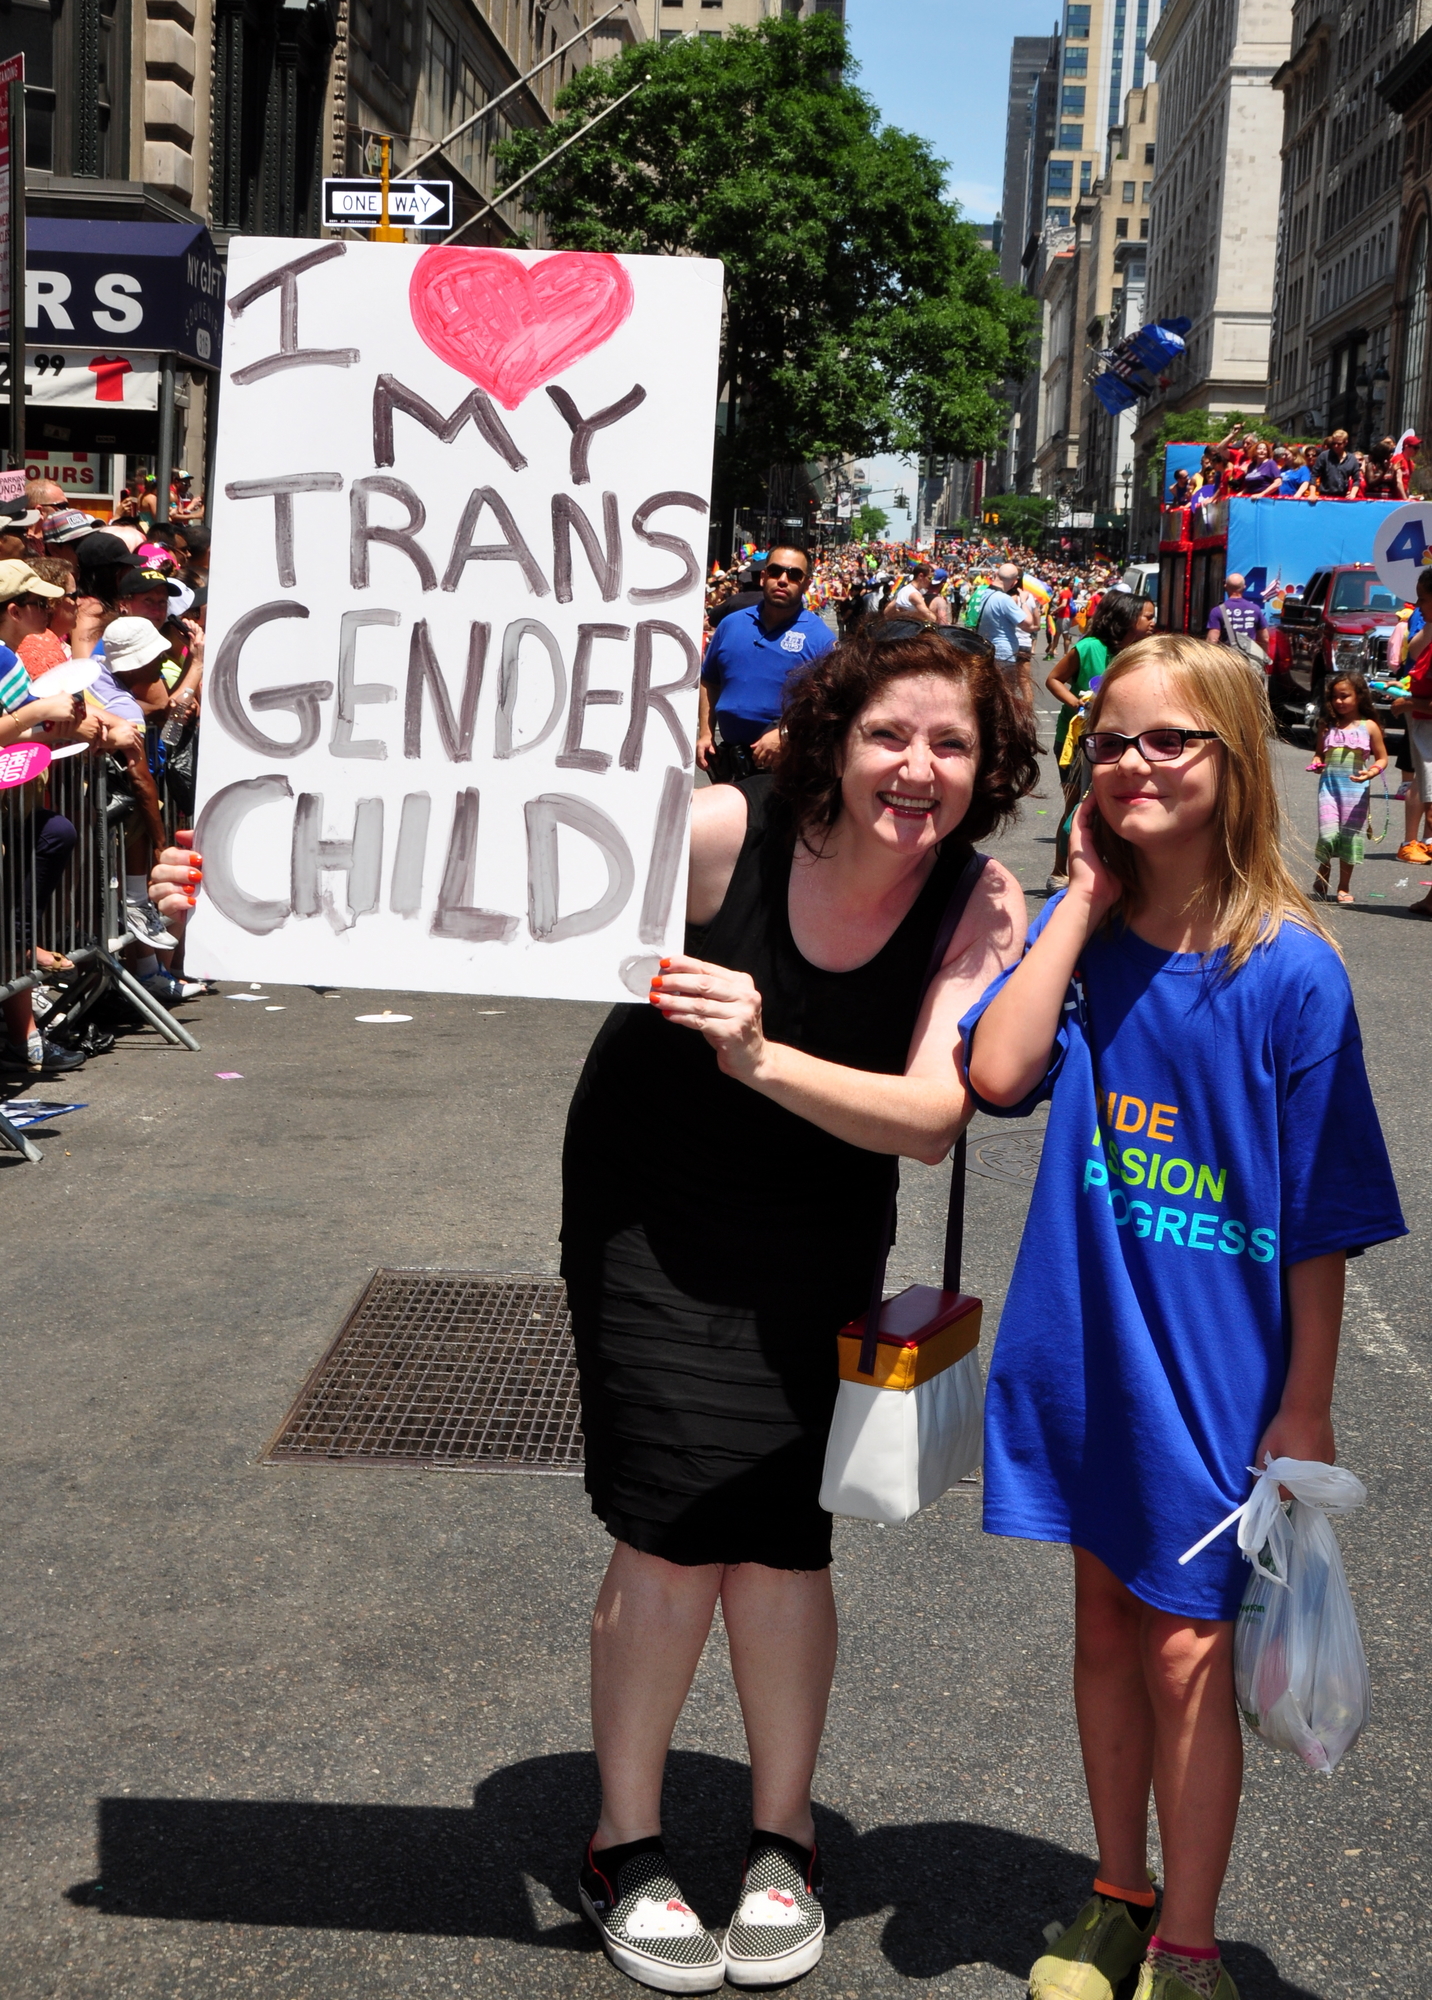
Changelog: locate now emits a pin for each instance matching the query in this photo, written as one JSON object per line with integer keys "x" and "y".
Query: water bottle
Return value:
{"x": 174, "y": 728}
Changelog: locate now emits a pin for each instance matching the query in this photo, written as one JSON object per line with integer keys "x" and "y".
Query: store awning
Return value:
{"x": 124, "y": 288}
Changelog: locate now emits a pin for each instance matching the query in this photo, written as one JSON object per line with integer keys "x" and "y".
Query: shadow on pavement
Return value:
{"x": 957, "y": 1892}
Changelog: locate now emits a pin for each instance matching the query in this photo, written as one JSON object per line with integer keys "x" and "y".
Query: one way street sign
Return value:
{"x": 411, "y": 204}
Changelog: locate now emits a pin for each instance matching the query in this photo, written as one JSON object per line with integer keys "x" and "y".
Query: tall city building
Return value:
{"x": 1329, "y": 363}
{"x": 1105, "y": 54}
{"x": 1029, "y": 56}
{"x": 1214, "y": 223}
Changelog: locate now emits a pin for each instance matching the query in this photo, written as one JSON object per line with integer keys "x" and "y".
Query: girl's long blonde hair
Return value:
{"x": 1250, "y": 889}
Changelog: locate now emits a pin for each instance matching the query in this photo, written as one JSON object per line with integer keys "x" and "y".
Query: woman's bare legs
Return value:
{"x": 782, "y": 1631}
{"x": 648, "y": 1632}
{"x": 1154, "y": 1695}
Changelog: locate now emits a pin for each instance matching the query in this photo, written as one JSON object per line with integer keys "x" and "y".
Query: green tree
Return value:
{"x": 870, "y": 523}
{"x": 1023, "y": 517}
{"x": 862, "y": 315}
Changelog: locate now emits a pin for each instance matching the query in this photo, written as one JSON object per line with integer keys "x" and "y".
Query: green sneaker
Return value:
{"x": 1168, "y": 1986}
{"x": 1101, "y": 1947}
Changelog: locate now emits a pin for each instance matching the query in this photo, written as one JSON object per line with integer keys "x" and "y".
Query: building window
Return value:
{"x": 75, "y": 82}
{"x": 1086, "y": 176}
{"x": 1058, "y": 218}
{"x": 1149, "y": 152}
{"x": 1144, "y": 227}
{"x": 1061, "y": 177}
{"x": 1071, "y": 100}
{"x": 1071, "y": 138}
{"x": 1128, "y": 191}
{"x": 710, "y": 34}
{"x": 1148, "y": 190}
{"x": 1414, "y": 348}
{"x": 671, "y": 34}
{"x": 1076, "y": 62}
{"x": 1121, "y": 228}
{"x": 671, "y": 3}
{"x": 1076, "y": 24}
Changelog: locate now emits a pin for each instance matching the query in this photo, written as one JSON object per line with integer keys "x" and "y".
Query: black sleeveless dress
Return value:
{"x": 713, "y": 1242}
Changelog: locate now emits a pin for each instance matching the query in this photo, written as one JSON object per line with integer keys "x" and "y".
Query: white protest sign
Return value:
{"x": 1402, "y": 547}
{"x": 455, "y": 617}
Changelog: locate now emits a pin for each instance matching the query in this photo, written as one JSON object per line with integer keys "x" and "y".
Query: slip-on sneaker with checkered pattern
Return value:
{"x": 778, "y": 1931}
{"x": 647, "y": 1928}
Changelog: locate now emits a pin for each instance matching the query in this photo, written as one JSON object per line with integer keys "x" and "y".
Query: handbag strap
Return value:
{"x": 955, "y": 1218}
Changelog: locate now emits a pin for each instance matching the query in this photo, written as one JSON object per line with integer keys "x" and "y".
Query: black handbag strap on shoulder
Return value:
{"x": 955, "y": 1217}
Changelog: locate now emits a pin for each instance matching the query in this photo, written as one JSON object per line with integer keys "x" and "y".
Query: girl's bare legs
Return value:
{"x": 648, "y": 1631}
{"x": 1154, "y": 1694}
{"x": 782, "y": 1632}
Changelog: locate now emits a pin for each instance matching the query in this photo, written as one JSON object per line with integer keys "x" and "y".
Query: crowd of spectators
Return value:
{"x": 101, "y": 653}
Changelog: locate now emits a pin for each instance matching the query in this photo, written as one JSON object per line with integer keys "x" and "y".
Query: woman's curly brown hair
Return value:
{"x": 821, "y": 705}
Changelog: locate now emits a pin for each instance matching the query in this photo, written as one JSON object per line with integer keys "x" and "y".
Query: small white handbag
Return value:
{"x": 909, "y": 1413}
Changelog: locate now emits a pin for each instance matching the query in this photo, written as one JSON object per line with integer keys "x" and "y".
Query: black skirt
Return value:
{"x": 705, "y": 1418}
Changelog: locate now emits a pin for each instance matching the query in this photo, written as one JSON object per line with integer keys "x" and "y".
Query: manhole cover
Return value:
{"x": 1007, "y": 1156}
{"x": 444, "y": 1368}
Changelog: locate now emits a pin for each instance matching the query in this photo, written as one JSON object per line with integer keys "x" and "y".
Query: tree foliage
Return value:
{"x": 862, "y": 315}
{"x": 1023, "y": 517}
{"x": 870, "y": 523}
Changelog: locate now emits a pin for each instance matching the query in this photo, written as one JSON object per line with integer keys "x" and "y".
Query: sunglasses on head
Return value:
{"x": 778, "y": 570}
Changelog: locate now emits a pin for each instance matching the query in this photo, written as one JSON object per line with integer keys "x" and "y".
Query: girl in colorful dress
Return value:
{"x": 1212, "y": 1156}
{"x": 1351, "y": 753}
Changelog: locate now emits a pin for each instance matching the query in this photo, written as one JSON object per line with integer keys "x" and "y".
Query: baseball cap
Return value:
{"x": 102, "y": 551}
{"x": 132, "y": 643}
{"x": 17, "y": 516}
{"x": 17, "y": 579}
{"x": 134, "y": 581}
{"x": 68, "y": 525}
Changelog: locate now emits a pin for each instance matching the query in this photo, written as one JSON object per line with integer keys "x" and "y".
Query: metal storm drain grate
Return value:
{"x": 1008, "y": 1156}
{"x": 443, "y": 1368}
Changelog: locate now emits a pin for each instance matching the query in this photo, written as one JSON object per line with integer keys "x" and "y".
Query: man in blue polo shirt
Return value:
{"x": 752, "y": 654}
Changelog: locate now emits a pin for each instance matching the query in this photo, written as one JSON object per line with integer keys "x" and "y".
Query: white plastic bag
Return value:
{"x": 1298, "y": 1664}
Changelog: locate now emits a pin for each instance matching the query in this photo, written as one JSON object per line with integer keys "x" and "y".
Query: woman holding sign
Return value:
{"x": 726, "y": 1169}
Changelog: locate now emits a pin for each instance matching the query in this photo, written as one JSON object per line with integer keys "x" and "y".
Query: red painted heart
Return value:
{"x": 510, "y": 326}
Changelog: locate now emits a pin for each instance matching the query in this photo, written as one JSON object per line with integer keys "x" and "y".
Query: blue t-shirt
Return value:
{"x": 746, "y": 668}
{"x": 111, "y": 694}
{"x": 1293, "y": 480}
{"x": 1001, "y": 622}
{"x": 1144, "y": 1341}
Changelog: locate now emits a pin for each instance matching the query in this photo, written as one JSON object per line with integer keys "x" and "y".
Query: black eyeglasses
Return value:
{"x": 778, "y": 570}
{"x": 1155, "y": 746}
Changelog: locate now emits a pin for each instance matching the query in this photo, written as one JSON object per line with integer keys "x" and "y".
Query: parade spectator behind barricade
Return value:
{"x": 16, "y": 521}
{"x": 1239, "y": 622}
{"x": 1336, "y": 470}
{"x": 51, "y": 648}
{"x": 191, "y": 541}
{"x": 1007, "y": 619}
{"x": 707, "y": 1280}
{"x": 67, "y": 525}
{"x": 42, "y": 499}
{"x": 752, "y": 656}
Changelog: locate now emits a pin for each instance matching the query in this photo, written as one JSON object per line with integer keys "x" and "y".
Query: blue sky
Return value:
{"x": 941, "y": 68}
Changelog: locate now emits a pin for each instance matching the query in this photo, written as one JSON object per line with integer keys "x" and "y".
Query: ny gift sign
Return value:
{"x": 455, "y": 617}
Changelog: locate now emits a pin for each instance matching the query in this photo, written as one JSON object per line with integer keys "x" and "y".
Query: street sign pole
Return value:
{"x": 385, "y": 233}
{"x": 15, "y": 250}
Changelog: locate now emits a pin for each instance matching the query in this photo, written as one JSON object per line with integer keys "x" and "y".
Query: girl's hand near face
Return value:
{"x": 1089, "y": 879}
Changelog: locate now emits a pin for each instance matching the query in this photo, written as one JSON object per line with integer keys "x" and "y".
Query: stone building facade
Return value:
{"x": 1338, "y": 216}
{"x": 1213, "y": 233}
{"x": 1407, "y": 90}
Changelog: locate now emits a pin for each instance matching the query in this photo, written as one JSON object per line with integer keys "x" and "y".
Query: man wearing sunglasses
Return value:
{"x": 752, "y": 654}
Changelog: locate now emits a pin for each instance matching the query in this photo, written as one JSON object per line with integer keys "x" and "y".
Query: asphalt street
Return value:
{"x": 321, "y": 1732}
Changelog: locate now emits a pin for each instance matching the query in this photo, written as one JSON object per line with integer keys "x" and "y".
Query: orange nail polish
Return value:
{"x": 666, "y": 965}
{"x": 656, "y": 981}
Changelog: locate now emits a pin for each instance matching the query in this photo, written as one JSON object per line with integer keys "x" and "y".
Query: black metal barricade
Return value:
{"x": 83, "y": 920}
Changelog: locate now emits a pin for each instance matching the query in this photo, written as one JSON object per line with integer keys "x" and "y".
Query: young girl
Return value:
{"x": 1212, "y": 1156}
{"x": 1120, "y": 621}
{"x": 1347, "y": 738}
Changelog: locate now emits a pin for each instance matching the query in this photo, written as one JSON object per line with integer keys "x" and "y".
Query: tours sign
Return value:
{"x": 455, "y": 617}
